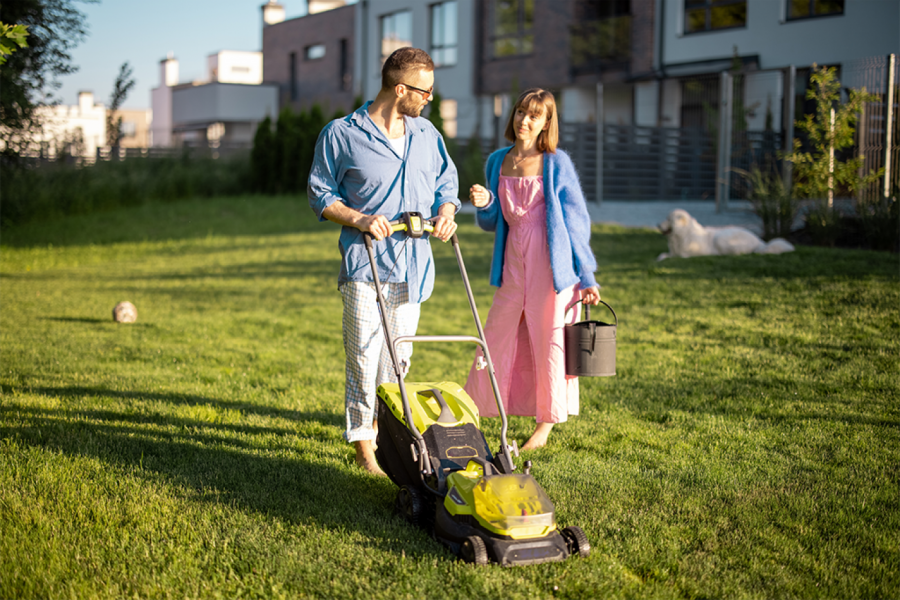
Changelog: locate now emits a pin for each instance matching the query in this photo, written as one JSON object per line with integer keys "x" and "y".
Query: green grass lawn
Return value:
{"x": 748, "y": 447}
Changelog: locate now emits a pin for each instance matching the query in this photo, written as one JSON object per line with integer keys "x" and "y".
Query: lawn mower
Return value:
{"x": 430, "y": 445}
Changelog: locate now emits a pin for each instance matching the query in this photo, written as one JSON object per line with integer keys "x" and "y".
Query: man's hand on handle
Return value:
{"x": 445, "y": 222}
{"x": 444, "y": 227}
{"x": 377, "y": 225}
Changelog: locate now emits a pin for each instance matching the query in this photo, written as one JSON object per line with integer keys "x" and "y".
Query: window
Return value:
{"x": 314, "y": 52}
{"x": 346, "y": 79}
{"x": 709, "y": 15}
{"x": 600, "y": 34}
{"x": 443, "y": 33}
{"x": 128, "y": 129}
{"x": 512, "y": 27}
{"x": 802, "y": 9}
{"x": 396, "y": 32}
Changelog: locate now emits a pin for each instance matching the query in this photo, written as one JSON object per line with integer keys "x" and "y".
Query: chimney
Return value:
{"x": 272, "y": 13}
{"x": 85, "y": 102}
{"x": 317, "y": 6}
{"x": 168, "y": 71}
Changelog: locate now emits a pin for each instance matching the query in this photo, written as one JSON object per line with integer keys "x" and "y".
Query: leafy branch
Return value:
{"x": 12, "y": 37}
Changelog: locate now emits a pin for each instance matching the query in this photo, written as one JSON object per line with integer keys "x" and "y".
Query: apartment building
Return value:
{"x": 222, "y": 109}
{"x": 311, "y": 58}
{"x": 446, "y": 30}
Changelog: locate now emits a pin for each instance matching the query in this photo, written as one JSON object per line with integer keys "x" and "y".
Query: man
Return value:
{"x": 369, "y": 167}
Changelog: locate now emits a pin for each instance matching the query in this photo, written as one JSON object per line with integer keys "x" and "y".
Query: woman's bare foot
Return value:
{"x": 538, "y": 439}
{"x": 365, "y": 457}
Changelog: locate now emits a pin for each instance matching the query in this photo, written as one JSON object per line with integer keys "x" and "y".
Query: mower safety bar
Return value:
{"x": 414, "y": 225}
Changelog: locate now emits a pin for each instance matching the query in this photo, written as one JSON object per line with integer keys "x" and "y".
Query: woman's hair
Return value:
{"x": 542, "y": 102}
{"x": 403, "y": 62}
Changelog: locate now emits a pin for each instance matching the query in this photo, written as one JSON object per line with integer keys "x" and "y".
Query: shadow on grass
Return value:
{"x": 88, "y": 320}
{"x": 279, "y": 480}
{"x": 166, "y": 221}
{"x": 79, "y": 393}
{"x": 802, "y": 265}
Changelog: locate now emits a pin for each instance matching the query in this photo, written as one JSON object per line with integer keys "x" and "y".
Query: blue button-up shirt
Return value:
{"x": 356, "y": 164}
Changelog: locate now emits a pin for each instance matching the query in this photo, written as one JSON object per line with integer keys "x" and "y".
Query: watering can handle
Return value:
{"x": 587, "y": 310}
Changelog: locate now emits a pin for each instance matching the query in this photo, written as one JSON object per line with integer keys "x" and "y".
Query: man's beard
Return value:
{"x": 409, "y": 106}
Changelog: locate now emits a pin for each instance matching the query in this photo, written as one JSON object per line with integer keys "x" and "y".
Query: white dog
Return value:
{"x": 689, "y": 238}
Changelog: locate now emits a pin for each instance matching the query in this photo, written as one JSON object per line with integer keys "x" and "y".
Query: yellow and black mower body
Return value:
{"x": 431, "y": 446}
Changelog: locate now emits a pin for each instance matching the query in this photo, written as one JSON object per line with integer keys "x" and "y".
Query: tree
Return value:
{"x": 821, "y": 171}
{"x": 818, "y": 173}
{"x": 11, "y": 37}
{"x": 123, "y": 85}
{"x": 262, "y": 157}
{"x": 30, "y": 76}
{"x": 434, "y": 114}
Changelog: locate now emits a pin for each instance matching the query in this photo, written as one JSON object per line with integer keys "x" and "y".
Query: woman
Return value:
{"x": 542, "y": 263}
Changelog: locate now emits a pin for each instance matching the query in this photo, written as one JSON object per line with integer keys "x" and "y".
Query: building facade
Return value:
{"x": 80, "y": 130}
{"x": 223, "y": 109}
{"x": 447, "y": 30}
{"x": 569, "y": 46}
{"x": 310, "y": 59}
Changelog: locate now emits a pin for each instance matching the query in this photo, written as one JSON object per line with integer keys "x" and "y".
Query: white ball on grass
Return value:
{"x": 125, "y": 312}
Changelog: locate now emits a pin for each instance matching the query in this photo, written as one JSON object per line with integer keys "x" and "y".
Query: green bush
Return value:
{"x": 880, "y": 220}
{"x": 281, "y": 160}
{"x": 772, "y": 202}
{"x": 35, "y": 191}
{"x": 469, "y": 163}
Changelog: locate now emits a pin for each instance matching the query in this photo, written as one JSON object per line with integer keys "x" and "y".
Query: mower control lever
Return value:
{"x": 413, "y": 223}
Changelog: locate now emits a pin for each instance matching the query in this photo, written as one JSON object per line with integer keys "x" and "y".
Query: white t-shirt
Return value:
{"x": 399, "y": 144}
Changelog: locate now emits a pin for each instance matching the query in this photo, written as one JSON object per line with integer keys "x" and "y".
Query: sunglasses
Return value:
{"x": 426, "y": 94}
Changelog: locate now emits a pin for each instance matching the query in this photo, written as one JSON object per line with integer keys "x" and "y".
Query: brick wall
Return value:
{"x": 642, "y": 30}
{"x": 319, "y": 80}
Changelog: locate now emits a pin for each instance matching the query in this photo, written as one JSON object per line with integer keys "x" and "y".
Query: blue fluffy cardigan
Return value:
{"x": 568, "y": 222}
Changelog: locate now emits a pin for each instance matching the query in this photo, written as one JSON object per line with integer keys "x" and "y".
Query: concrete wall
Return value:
{"x": 138, "y": 121}
{"x": 231, "y": 66}
{"x": 220, "y": 102}
{"x": 867, "y": 28}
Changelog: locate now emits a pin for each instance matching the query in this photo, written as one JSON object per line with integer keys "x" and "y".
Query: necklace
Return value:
{"x": 516, "y": 163}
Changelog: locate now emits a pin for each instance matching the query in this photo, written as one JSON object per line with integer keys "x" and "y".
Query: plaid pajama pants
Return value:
{"x": 368, "y": 360}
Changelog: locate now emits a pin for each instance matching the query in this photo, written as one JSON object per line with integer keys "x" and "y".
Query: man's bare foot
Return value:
{"x": 365, "y": 457}
{"x": 539, "y": 438}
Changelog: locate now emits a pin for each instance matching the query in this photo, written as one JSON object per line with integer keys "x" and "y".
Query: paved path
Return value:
{"x": 651, "y": 214}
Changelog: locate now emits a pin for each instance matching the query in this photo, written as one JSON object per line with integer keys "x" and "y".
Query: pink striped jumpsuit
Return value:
{"x": 524, "y": 327}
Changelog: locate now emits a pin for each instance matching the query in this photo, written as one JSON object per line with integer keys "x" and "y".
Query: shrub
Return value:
{"x": 772, "y": 202}
{"x": 36, "y": 190}
{"x": 281, "y": 161}
{"x": 880, "y": 221}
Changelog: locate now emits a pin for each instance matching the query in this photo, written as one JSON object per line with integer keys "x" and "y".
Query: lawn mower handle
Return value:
{"x": 414, "y": 225}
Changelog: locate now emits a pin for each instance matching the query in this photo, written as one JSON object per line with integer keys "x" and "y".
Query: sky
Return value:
{"x": 143, "y": 32}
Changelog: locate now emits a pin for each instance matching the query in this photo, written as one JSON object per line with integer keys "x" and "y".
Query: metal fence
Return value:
{"x": 722, "y": 135}
{"x": 878, "y": 131}
{"x": 643, "y": 163}
{"x": 663, "y": 163}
